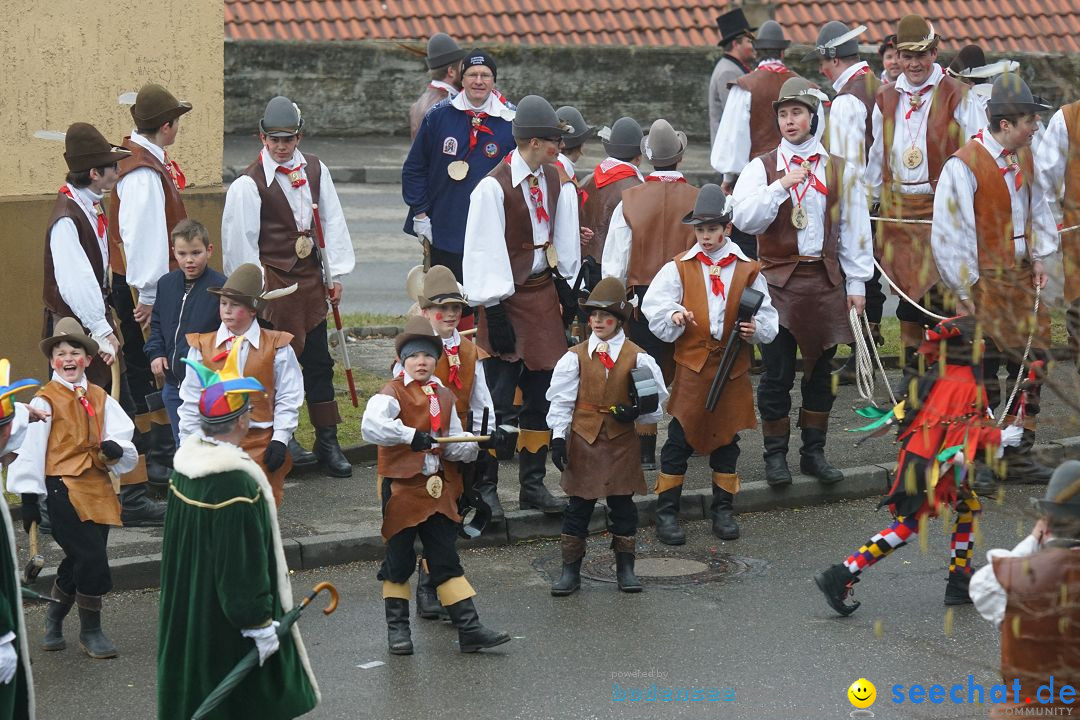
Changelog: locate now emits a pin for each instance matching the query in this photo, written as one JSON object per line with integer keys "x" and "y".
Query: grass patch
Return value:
{"x": 367, "y": 384}
{"x": 361, "y": 319}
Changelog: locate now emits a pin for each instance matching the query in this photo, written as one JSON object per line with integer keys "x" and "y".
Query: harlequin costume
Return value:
{"x": 224, "y": 577}
{"x": 420, "y": 493}
{"x": 941, "y": 431}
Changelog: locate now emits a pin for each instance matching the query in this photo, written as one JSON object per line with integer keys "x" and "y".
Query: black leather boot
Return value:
{"x": 812, "y": 454}
{"x": 92, "y": 639}
{"x": 532, "y": 466}
{"x": 909, "y": 373}
{"x": 625, "y": 549}
{"x": 138, "y": 510}
{"x": 427, "y": 600}
{"x": 775, "y": 435}
{"x": 160, "y": 448}
{"x": 648, "y": 450}
{"x": 667, "y": 513}
{"x": 473, "y": 636}
{"x": 54, "y": 619}
{"x": 836, "y": 583}
{"x": 398, "y": 636}
{"x": 301, "y": 458}
{"x": 487, "y": 485}
{"x": 328, "y": 452}
{"x": 1021, "y": 465}
{"x": 724, "y": 525}
{"x": 573, "y": 550}
{"x": 956, "y": 591}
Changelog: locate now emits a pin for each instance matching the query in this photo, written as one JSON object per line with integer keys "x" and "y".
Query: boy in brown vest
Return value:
{"x": 74, "y": 457}
{"x": 646, "y": 231}
{"x": 444, "y": 68}
{"x": 421, "y": 485}
{"x": 593, "y": 443}
{"x": 808, "y": 210}
{"x": 602, "y": 190}
{"x": 267, "y": 356}
{"x": 693, "y": 302}
{"x": 269, "y": 220}
{"x": 522, "y": 246}
{"x": 992, "y": 229}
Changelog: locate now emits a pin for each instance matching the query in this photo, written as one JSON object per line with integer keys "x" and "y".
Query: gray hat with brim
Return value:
{"x": 664, "y": 145}
{"x": 442, "y": 50}
{"x": 535, "y": 118}
{"x": 580, "y": 130}
{"x": 771, "y": 37}
{"x": 281, "y": 118}
{"x": 417, "y": 336}
{"x": 712, "y": 207}
{"x": 800, "y": 90}
{"x": 1011, "y": 96}
{"x": 623, "y": 140}
{"x": 1063, "y": 492}
{"x": 835, "y": 40}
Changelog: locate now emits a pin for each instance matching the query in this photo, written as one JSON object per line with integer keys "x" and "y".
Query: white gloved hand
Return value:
{"x": 422, "y": 228}
{"x": 266, "y": 640}
{"x": 1011, "y": 435}
{"x": 9, "y": 661}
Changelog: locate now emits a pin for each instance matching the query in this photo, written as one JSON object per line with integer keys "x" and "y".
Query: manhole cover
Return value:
{"x": 668, "y": 567}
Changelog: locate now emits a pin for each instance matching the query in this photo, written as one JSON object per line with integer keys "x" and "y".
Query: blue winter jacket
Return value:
{"x": 177, "y": 313}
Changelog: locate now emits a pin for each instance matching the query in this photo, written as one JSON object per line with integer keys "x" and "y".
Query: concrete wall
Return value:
{"x": 365, "y": 88}
{"x": 69, "y": 61}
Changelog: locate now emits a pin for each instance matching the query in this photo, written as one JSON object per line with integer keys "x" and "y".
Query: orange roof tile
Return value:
{"x": 996, "y": 25}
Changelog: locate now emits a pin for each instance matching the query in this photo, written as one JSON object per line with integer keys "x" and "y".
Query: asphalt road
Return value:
{"x": 764, "y": 632}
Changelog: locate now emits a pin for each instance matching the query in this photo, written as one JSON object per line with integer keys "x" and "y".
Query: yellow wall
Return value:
{"x": 68, "y": 61}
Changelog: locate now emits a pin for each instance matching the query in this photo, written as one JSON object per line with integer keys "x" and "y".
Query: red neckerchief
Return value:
{"x": 294, "y": 175}
{"x": 813, "y": 180}
{"x": 774, "y": 66}
{"x": 915, "y": 99}
{"x": 1012, "y": 162}
{"x": 102, "y": 221}
{"x": 433, "y": 406}
{"x": 714, "y": 275}
{"x": 80, "y": 394}
{"x": 476, "y": 126}
{"x": 537, "y": 196}
{"x": 665, "y": 178}
{"x": 224, "y": 353}
{"x": 611, "y": 170}
{"x": 455, "y": 368}
{"x": 605, "y": 359}
{"x": 177, "y": 174}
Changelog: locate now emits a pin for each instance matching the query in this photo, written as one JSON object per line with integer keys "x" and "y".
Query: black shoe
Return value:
{"x": 570, "y": 580}
{"x": 96, "y": 644}
{"x": 776, "y": 468}
{"x": 648, "y": 452}
{"x": 427, "y": 600}
{"x": 667, "y": 517}
{"x": 1021, "y": 465}
{"x": 812, "y": 460}
{"x": 159, "y": 455}
{"x": 398, "y": 636}
{"x": 138, "y": 510}
{"x": 301, "y": 458}
{"x": 54, "y": 619}
{"x": 328, "y": 452}
{"x": 724, "y": 525}
{"x": 534, "y": 494}
{"x": 956, "y": 591}
{"x": 836, "y": 583}
{"x": 473, "y": 636}
{"x": 624, "y": 573}
{"x": 488, "y": 487}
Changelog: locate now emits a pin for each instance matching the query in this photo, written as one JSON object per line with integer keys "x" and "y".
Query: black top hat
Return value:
{"x": 1011, "y": 96}
{"x": 732, "y": 24}
{"x": 712, "y": 207}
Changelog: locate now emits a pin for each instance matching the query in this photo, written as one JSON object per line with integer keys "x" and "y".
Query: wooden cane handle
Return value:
{"x": 332, "y": 591}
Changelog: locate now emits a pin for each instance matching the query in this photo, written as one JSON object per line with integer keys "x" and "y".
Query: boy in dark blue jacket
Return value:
{"x": 183, "y": 306}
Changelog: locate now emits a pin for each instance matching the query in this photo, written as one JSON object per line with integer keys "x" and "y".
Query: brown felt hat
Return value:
{"x": 440, "y": 288}
{"x": 86, "y": 148}
{"x": 609, "y": 295}
{"x": 154, "y": 106}
{"x": 70, "y": 331}
{"x": 416, "y": 336}
{"x": 915, "y": 34}
{"x": 245, "y": 285}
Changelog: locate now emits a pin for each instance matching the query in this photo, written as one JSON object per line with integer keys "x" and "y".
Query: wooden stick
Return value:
{"x": 462, "y": 439}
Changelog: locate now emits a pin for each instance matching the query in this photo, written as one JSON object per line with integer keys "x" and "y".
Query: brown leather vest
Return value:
{"x": 596, "y": 392}
{"x": 778, "y": 246}
{"x": 693, "y": 347}
{"x": 764, "y": 87}
{"x": 1039, "y": 635}
{"x": 654, "y": 213}
{"x": 944, "y": 136}
{"x": 401, "y": 461}
{"x": 518, "y": 230}
{"x": 277, "y": 226}
{"x": 599, "y": 205}
{"x": 74, "y": 437}
{"x": 993, "y": 204}
{"x": 864, "y": 87}
{"x": 468, "y": 354}
{"x": 259, "y": 365}
{"x": 1070, "y": 205}
{"x": 428, "y": 99}
{"x": 65, "y": 207}
{"x": 174, "y": 205}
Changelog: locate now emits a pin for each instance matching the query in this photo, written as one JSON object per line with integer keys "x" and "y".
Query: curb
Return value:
{"x": 315, "y": 551}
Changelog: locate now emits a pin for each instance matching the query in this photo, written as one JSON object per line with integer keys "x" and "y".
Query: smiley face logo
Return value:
{"x": 862, "y": 693}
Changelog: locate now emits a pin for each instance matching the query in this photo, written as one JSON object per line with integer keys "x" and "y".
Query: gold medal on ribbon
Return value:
{"x": 714, "y": 270}
{"x": 798, "y": 217}
{"x": 434, "y": 486}
{"x": 912, "y": 158}
{"x": 552, "y": 256}
{"x": 304, "y": 246}
{"x": 457, "y": 170}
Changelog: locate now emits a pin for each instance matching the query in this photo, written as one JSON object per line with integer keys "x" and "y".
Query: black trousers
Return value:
{"x": 676, "y": 453}
{"x": 503, "y": 378}
{"x": 746, "y": 242}
{"x": 318, "y": 366}
{"x": 875, "y": 298}
{"x": 993, "y": 359}
{"x": 453, "y": 261}
{"x": 774, "y": 390}
{"x": 637, "y": 329}
{"x": 438, "y": 535}
{"x": 137, "y": 373}
{"x": 622, "y": 515}
{"x": 933, "y": 300}
{"x": 85, "y": 567}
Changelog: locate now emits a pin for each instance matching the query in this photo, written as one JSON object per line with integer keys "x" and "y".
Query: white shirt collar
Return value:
{"x": 253, "y": 334}
{"x": 155, "y": 150}
{"x": 991, "y": 144}
{"x": 614, "y": 344}
{"x": 81, "y": 383}
{"x": 728, "y": 248}
{"x": 270, "y": 166}
{"x": 810, "y": 147}
{"x": 519, "y": 169}
{"x": 567, "y": 164}
{"x": 673, "y": 174}
{"x": 85, "y": 199}
{"x": 846, "y": 75}
{"x": 493, "y": 106}
{"x": 453, "y": 341}
{"x": 407, "y": 378}
{"x": 934, "y": 78}
{"x": 450, "y": 89}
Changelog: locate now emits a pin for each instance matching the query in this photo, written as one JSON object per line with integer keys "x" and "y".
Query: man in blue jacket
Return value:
{"x": 183, "y": 307}
{"x": 459, "y": 142}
